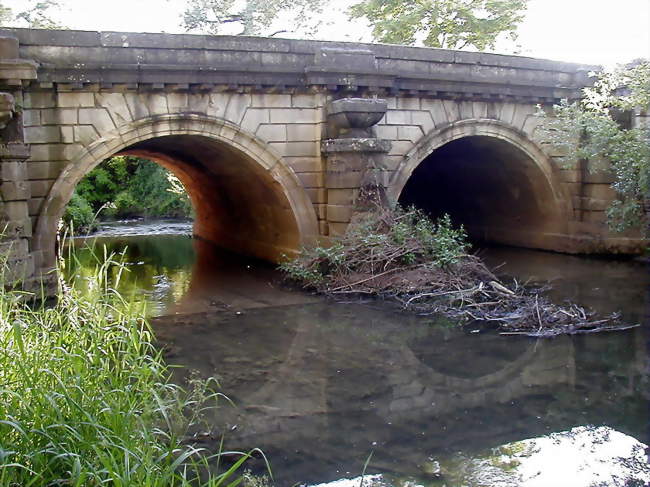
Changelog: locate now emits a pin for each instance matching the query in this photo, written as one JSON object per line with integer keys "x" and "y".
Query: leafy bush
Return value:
{"x": 385, "y": 241}
{"x": 79, "y": 213}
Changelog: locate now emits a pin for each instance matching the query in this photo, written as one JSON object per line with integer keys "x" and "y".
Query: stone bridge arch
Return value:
{"x": 245, "y": 196}
{"x": 491, "y": 177}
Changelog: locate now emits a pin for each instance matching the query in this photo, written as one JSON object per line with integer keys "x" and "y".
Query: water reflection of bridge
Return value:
{"x": 325, "y": 384}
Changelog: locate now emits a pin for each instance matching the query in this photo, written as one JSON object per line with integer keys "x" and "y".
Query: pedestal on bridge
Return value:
{"x": 355, "y": 179}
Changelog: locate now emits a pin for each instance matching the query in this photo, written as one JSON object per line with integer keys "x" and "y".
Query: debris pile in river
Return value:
{"x": 403, "y": 255}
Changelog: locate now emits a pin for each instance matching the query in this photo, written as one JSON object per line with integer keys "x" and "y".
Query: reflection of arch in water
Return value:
{"x": 245, "y": 197}
{"x": 408, "y": 388}
{"x": 490, "y": 177}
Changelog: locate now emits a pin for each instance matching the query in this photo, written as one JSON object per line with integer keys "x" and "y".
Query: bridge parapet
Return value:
{"x": 82, "y": 59}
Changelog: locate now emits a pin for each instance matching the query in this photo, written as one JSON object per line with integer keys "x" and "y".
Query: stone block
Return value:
{"x": 31, "y": 117}
{"x": 67, "y": 134}
{"x": 136, "y": 104}
{"x": 85, "y": 134}
{"x": 398, "y": 117}
{"x": 156, "y": 103}
{"x": 177, "y": 102}
{"x": 321, "y": 211}
{"x": 317, "y": 195}
{"x": 253, "y": 118}
{"x": 437, "y": 110}
{"x": 522, "y": 112}
{"x": 409, "y": 132}
{"x": 339, "y": 213}
{"x": 13, "y": 170}
{"x": 44, "y": 169}
{"x": 34, "y": 206}
{"x": 479, "y": 109}
{"x": 599, "y": 191}
{"x": 408, "y": 103}
{"x": 507, "y": 112}
{"x": 388, "y": 132}
{"x": 40, "y": 188}
{"x": 452, "y": 110}
{"x": 272, "y": 133}
{"x": 116, "y": 105}
{"x": 342, "y": 196}
{"x": 400, "y": 148}
{"x": 75, "y": 99}
{"x": 323, "y": 228}
{"x": 466, "y": 109}
{"x": 305, "y": 101}
{"x": 198, "y": 102}
{"x": 305, "y": 164}
{"x": 591, "y": 204}
{"x": 59, "y": 116}
{"x": 98, "y": 118}
{"x": 237, "y": 107}
{"x": 311, "y": 179}
{"x": 303, "y": 132}
{"x": 424, "y": 121}
{"x": 40, "y": 99}
{"x": 42, "y": 134}
{"x": 271, "y": 100}
{"x": 337, "y": 229}
{"x": 296, "y": 149}
{"x": 296, "y": 115}
{"x": 345, "y": 179}
{"x": 15, "y": 211}
{"x": 14, "y": 191}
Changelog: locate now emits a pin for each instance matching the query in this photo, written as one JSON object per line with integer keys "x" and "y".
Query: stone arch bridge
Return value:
{"x": 280, "y": 142}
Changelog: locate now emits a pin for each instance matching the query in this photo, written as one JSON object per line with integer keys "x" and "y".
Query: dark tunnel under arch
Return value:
{"x": 493, "y": 187}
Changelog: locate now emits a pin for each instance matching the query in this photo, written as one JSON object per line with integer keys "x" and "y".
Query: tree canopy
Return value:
{"x": 450, "y": 24}
{"x": 36, "y": 14}
{"x": 253, "y": 17}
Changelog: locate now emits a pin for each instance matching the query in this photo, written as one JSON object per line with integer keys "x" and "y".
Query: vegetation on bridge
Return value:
{"x": 404, "y": 256}
{"x": 598, "y": 129}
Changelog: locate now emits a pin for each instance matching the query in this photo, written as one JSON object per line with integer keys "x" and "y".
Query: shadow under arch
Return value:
{"x": 245, "y": 197}
{"x": 490, "y": 177}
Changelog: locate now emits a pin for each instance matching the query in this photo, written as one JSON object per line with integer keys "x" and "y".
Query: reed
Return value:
{"x": 85, "y": 396}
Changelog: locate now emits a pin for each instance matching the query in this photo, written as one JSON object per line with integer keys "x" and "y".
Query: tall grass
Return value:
{"x": 85, "y": 398}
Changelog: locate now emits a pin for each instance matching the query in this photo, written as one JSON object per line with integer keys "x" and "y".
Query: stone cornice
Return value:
{"x": 178, "y": 62}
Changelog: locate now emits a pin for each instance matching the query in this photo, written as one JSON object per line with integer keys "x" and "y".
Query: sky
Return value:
{"x": 602, "y": 32}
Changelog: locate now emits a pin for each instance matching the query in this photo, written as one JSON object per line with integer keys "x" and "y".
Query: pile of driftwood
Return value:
{"x": 402, "y": 256}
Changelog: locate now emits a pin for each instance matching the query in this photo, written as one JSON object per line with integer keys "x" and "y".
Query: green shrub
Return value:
{"x": 384, "y": 240}
{"x": 79, "y": 213}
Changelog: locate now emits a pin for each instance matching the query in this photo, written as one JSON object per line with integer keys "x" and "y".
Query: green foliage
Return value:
{"x": 36, "y": 14}
{"x": 126, "y": 186}
{"x": 85, "y": 397}
{"x": 450, "y": 24}
{"x": 79, "y": 213}
{"x": 382, "y": 240}
{"x": 591, "y": 130}
{"x": 253, "y": 17}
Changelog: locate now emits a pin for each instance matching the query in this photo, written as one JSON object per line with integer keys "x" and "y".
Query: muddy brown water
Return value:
{"x": 319, "y": 386}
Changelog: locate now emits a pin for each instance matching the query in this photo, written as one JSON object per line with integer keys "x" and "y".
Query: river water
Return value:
{"x": 330, "y": 391}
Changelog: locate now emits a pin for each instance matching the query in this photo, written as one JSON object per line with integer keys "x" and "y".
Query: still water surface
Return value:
{"x": 319, "y": 385}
